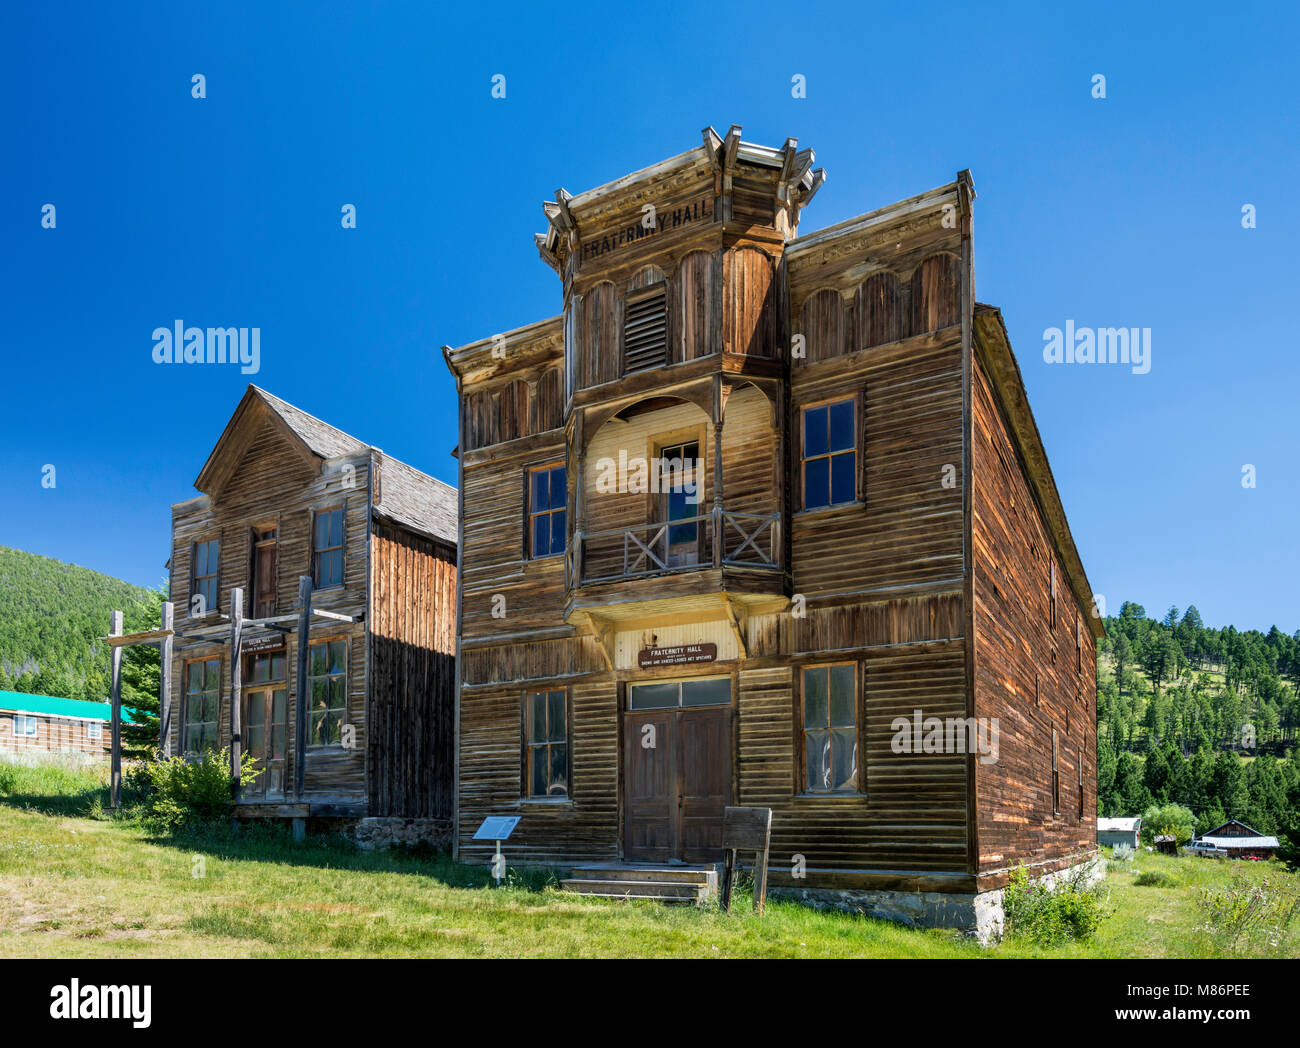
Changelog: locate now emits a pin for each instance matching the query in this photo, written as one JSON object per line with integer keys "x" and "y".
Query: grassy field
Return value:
{"x": 73, "y": 885}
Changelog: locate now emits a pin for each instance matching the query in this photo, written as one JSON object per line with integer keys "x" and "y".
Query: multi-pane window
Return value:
{"x": 547, "y": 743}
{"x": 327, "y": 548}
{"x": 24, "y": 725}
{"x": 94, "y": 729}
{"x": 202, "y": 695}
{"x": 699, "y": 691}
{"x": 327, "y": 691}
{"x": 830, "y": 728}
{"x": 829, "y": 455}
{"x": 546, "y": 519}
{"x": 203, "y": 583}
{"x": 680, "y": 477}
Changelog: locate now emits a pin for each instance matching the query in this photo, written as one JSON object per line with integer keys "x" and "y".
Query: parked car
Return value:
{"x": 1201, "y": 848}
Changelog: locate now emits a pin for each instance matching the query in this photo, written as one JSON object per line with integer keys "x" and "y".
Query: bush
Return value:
{"x": 1242, "y": 919}
{"x": 1156, "y": 879}
{"x": 1161, "y": 819}
{"x": 1047, "y": 916}
{"x": 190, "y": 792}
{"x": 1123, "y": 853}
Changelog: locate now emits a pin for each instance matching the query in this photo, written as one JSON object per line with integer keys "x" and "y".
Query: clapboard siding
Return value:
{"x": 54, "y": 734}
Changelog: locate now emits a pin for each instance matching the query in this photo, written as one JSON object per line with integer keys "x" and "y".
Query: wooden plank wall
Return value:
{"x": 53, "y": 734}
{"x": 272, "y": 483}
{"x": 412, "y": 620}
{"x": 1027, "y": 674}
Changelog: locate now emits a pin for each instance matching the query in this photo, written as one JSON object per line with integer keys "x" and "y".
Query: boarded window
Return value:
{"x": 514, "y": 410}
{"x": 830, "y": 728}
{"x": 327, "y": 548}
{"x": 598, "y": 337}
{"x": 202, "y": 699}
{"x": 822, "y": 321}
{"x": 747, "y": 302}
{"x": 829, "y": 450}
{"x": 936, "y": 294}
{"x": 546, "y": 745}
{"x": 696, "y": 305}
{"x": 878, "y": 311}
{"x": 645, "y": 329}
{"x": 327, "y": 692}
{"x": 550, "y": 400}
{"x": 204, "y": 577}
{"x": 547, "y": 493}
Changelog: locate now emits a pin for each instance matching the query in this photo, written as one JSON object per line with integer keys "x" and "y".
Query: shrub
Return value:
{"x": 1162, "y": 819}
{"x": 1243, "y": 919}
{"x": 1050, "y": 916}
{"x": 1156, "y": 879}
{"x": 190, "y": 792}
{"x": 1123, "y": 853}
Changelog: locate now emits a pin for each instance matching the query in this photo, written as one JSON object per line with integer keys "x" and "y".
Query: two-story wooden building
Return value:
{"x": 763, "y": 518}
{"x": 287, "y": 497}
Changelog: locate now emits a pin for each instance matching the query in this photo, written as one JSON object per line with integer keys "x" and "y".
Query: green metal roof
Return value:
{"x": 55, "y": 707}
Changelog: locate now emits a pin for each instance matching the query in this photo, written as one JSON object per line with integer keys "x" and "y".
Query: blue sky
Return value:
{"x": 1123, "y": 211}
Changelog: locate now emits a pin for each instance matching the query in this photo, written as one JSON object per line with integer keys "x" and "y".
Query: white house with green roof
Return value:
{"x": 46, "y": 722}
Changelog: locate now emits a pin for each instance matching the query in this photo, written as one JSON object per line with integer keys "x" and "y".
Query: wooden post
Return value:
{"x": 300, "y": 686}
{"x": 165, "y": 681}
{"x": 236, "y": 687}
{"x": 115, "y": 800}
{"x": 719, "y": 536}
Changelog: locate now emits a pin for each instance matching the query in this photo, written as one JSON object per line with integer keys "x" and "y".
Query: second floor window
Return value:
{"x": 203, "y": 581}
{"x": 546, "y": 518}
{"x": 830, "y": 458}
{"x": 327, "y": 548}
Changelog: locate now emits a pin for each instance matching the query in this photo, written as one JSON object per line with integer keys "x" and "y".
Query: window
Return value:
{"x": 829, "y": 455}
{"x": 1080, "y": 782}
{"x": 1051, "y": 610}
{"x": 94, "y": 730}
{"x": 327, "y": 548}
{"x": 1078, "y": 645}
{"x": 645, "y": 329}
{"x": 547, "y": 491}
{"x": 662, "y": 695}
{"x": 327, "y": 692}
{"x": 830, "y": 729}
{"x": 547, "y": 743}
{"x": 24, "y": 725}
{"x": 1038, "y": 692}
{"x": 681, "y": 474}
{"x": 202, "y": 695}
{"x": 1056, "y": 777}
{"x": 203, "y": 583}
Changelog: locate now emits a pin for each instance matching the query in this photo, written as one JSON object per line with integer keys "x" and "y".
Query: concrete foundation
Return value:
{"x": 980, "y": 915}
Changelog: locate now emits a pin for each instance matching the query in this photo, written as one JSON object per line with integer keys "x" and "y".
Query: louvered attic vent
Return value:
{"x": 645, "y": 330}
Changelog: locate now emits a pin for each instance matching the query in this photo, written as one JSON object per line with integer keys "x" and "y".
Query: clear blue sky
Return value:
{"x": 225, "y": 211}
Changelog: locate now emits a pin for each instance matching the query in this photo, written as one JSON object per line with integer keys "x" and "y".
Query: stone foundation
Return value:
{"x": 376, "y": 834}
{"x": 979, "y": 915}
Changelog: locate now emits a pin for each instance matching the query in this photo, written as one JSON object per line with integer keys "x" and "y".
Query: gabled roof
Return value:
{"x": 52, "y": 706}
{"x": 406, "y": 496}
{"x": 1120, "y": 825}
{"x": 1229, "y": 843}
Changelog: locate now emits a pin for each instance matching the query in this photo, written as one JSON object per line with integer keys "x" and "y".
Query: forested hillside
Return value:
{"x": 1202, "y": 717}
{"x": 51, "y": 618}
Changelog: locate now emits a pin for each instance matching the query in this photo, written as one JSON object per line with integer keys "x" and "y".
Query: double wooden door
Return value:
{"x": 677, "y": 781}
{"x": 266, "y": 719}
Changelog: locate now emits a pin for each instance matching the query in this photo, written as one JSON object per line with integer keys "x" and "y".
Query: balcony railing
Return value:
{"x": 686, "y": 544}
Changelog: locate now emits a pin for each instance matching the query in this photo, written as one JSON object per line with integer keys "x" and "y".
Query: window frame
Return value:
{"x": 680, "y": 682}
{"x": 94, "y": 730}
{"x": 1056, "y": 773}
{"x": 855, "y": 398}
{"x": 347, "y": 698}
{"x": 340, "y": 508}
{"x": 26, "y": 718}
{"x": 1080, "y": 782}
{"x": 185, "y": 702}
{"x": 529, "y": 514}
{"x": 800, "y": 734}
{"x": 213, "y": 606}
{"x": 527, "y": 746}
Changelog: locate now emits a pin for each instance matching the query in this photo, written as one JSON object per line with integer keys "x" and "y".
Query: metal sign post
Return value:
{"x": 497, "y": 828}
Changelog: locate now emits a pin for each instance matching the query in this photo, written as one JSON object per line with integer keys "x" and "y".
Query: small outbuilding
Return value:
{"x": 1111, "y": 832}
{"x": 1241, "y": 841}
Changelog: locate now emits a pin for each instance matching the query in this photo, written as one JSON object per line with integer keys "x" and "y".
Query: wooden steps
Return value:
{"x": 672, "y": 885}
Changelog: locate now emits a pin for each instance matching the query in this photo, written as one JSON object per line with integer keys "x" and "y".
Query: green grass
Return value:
{"x": 76, "y": 886}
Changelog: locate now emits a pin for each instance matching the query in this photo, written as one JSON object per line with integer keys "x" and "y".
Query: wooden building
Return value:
{"x": 287, "y": 498}
{"x": 747, "y": 520}
{"x": 1241, "y": 841}
{"x": 52, "y": 724}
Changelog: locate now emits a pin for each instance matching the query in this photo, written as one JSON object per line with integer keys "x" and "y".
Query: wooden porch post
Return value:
{"x": 718, "y": 536}
{"x": 236, "y": 686}
{"x": 165, "y": 681}
{"x": 300, "y": 686}
{"x": 115, "y": 800}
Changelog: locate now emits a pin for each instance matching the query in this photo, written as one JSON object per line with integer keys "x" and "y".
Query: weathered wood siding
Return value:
{"x": 412, "y": 621}
{"x": 1028, "y": 674}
